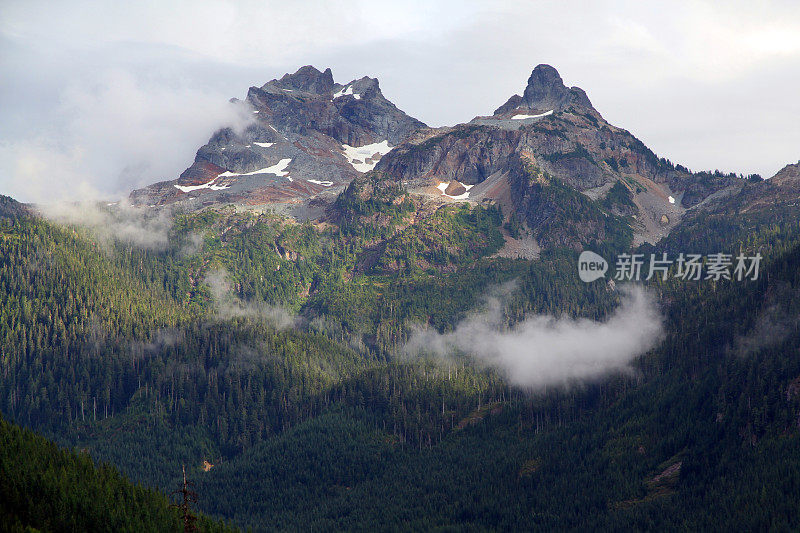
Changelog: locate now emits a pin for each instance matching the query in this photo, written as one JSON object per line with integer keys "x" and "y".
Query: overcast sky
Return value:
{"x": 99, "y": 97}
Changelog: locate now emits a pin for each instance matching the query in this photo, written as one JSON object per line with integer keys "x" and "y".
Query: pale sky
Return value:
{"x": 98, "y": 98}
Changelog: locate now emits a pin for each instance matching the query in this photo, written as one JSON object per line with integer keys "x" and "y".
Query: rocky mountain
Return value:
{"x": 547, "y": 157}
{"x": 307, "y": 134}
{"x": 350, "y": 374}
{"x": 545, "y": 92}
{"x": 553, "y": 135}
{"x": 788, "y": 176}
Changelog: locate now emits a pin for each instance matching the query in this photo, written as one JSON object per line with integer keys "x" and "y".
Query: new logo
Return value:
{"x": 591, "y": 266}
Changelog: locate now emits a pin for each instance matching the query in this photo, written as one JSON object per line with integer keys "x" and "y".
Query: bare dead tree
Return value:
{"x": 187, "y": 498}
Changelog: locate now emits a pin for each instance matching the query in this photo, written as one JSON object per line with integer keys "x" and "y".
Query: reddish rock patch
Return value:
{"x": 200, "y": 173}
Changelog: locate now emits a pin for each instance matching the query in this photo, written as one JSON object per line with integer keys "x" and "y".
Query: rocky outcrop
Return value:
{"x": 466, "y": 153}
{"x": 545, "y": 92}
{"x": 307, "y": 79}
{"x": 10, "y": 208}
{"x": 555, "y": 129}
{"x": 455, "y": 188}
{"x": 788, "y": 176}
{"x": 307, "y": 134}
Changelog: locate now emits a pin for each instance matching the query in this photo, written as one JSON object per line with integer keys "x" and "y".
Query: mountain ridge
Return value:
{"x": 313, "y": 136}
{"x": 307, "y": 134}
{"x": 155, "y": 358}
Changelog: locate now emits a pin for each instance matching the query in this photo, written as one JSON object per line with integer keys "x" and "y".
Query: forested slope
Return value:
{"x": 44, "y": 488}
{"x": 273, "y": 351}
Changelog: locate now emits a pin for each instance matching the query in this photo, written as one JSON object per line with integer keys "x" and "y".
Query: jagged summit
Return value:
{"x": 545, "y": 92}
{"x": 551, "y": 134}
{"x": 307, "y": 79}
{"x": 308, "y": 134}
{"x": 354, "y": 113}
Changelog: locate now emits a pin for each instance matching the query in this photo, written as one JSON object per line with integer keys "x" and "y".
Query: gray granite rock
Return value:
{"x": 305, "y": 118}
{"x": 545, "y": 91}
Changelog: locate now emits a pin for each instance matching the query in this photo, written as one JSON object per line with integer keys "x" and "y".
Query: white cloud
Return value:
{"x": 546, "y": 351}
{"x": 705, "y": 84}
{"x": 228, "y": 305}
{"x": 111, "y": 135}
{"x": 146, "y": 228}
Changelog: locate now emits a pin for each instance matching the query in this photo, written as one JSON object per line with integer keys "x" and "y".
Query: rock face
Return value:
{"x": 555, "y": 131}
{"x": 545, "y": 92}
{"x": 455, "y": 188}
{"x": 307, "y": 134}
{"x": 788, "y": 176}
{"x": 310, "y": 135}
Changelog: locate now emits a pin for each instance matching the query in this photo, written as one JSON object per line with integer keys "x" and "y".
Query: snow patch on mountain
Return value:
{"x": 346, "y": 91}
{"x": 323, "y": 183}
{"x": 364, "y": 158}
{"x": 209, "y": 185}
{"x": 522, "y": 117}
{"x": 264, "y": 145}
{"x": 278, "y": 169}
{"x": 444, "y": 185}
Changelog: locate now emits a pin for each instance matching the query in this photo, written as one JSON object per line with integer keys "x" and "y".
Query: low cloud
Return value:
{"x": 158, "y": 341}
{"x": 544, "y": 350}
{"x": 118, "y": 132}
{"x": 143, "y": 227}
{"x": 104, "y": 137}
{"x": 192, "y": 245}
{"x": 772, "y": 327}
{"x": 228, "y": 305}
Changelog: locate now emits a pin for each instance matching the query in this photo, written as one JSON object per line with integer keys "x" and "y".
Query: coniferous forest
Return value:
{"x": 267, "y": 358}
{"x": 238, "y": 299}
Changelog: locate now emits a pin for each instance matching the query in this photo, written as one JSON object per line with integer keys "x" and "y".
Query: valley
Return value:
{"x": 289, "y": 338}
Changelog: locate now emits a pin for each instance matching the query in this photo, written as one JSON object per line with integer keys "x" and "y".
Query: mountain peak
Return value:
{"x": 546, "y": 91}
{"x": 787, "y": 176}
{"x": 308, "y": 79}
{"x": 307, "y": 134}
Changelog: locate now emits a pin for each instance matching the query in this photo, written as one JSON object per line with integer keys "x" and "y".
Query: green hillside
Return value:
{"x": 272, "y": 351}
{"x": 44, "y": 488}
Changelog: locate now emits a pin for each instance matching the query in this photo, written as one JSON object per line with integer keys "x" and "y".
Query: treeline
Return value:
{"x": 125, "y": 352}
{"x": 703, "y": 436}
{"x": 44, "y": 488}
